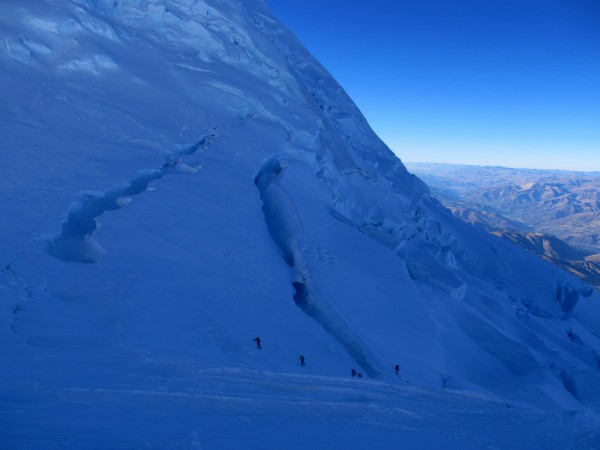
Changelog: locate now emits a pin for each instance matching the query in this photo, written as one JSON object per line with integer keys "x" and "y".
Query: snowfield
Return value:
{"x": 181, "y": 177}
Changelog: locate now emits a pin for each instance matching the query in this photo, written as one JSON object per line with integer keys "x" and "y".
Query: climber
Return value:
{"x": 257, "y": 340}
{"x": 397, "y": 369}
{"x": 301, "y": 360}
{"x": 353, "y": 372}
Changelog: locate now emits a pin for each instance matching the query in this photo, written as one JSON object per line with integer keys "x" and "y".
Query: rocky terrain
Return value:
{"x": 554, "y": 214}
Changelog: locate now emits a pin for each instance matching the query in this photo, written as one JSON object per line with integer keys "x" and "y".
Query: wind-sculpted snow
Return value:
{"x": 286, "y": 228}
{"x": 75, "y": 242}
{"x": 280, "y": 213}
{"x": 567, "y": 295}
{"x": 302, "y": 228}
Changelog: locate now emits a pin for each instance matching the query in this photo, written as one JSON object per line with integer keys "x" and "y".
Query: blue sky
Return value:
{"x": 492, "y": 82}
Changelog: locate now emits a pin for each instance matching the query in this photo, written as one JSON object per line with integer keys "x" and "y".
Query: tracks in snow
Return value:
{"x": 284, "y": 224}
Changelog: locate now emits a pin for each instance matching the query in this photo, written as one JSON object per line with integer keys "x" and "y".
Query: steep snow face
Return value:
{"x": 180, "y": 177}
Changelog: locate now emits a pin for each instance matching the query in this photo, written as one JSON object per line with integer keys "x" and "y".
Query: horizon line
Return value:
{"x": 501, "y": 167}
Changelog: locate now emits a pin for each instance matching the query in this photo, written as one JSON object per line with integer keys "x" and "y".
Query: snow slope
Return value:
{"x": 180, "y": 177}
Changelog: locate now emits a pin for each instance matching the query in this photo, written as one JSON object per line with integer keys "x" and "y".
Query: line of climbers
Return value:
{"x": 353, "y": 372}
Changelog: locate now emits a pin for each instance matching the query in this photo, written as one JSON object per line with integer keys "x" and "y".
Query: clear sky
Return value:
{"x": 492, "y": 82}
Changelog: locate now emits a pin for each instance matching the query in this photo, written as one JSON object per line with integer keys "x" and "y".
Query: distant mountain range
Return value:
{"x": 182, "y": 180}
{"x": 554, "y": 214}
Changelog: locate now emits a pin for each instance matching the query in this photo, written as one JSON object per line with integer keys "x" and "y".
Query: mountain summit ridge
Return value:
{"x": 185, "y": 177}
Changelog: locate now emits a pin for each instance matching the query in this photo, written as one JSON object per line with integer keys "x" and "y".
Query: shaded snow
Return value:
{"x": 301, "y": 227}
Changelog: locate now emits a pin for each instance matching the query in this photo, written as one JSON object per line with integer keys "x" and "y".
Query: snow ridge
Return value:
{"x": 285, "y": 226}
{"x": 303, "y": 229}
{"x": 568, "y": 295}
{"x": 75, "y": 241}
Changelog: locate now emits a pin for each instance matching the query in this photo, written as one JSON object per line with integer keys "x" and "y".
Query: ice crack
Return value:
{"x": 75, "y": 241}
{"x": 285, "y": 227}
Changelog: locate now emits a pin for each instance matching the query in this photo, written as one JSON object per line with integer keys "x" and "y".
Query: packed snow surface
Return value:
{"x": 181, "y": 177}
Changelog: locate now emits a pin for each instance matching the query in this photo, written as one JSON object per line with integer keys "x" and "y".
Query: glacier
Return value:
{"x": 181, "y": 176}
